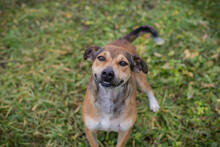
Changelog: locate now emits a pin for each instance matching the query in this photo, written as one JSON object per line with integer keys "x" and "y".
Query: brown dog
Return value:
{"x": 110, "y": 100}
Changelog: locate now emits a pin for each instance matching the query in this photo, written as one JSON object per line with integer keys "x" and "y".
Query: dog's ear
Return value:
{"x": 136, "y": 63}
{"x": 140, "y": 64}
{"x": 91, "y": 53}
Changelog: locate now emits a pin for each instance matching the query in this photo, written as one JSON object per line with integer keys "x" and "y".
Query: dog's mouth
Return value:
{"x": 110, "y": 84}
{"x": 106, "y": 84}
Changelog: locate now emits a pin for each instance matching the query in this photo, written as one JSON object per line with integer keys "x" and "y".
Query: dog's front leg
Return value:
{"x": 92, "y": 137}
{"x": 145, "y": 86}
{"x": 123, "y": 137}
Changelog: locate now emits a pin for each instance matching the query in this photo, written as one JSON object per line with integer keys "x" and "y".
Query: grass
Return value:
{"x": 43, "y": 76}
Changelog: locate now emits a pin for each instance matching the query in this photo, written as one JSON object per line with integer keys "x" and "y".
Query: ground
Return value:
{"x": 43, "y": 76}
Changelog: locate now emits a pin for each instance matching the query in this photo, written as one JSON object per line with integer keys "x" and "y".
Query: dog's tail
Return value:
{"x": 142, "y": 30}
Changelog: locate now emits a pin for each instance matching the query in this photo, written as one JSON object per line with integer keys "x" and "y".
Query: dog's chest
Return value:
{"x": 110, "y": 104}
{"x": 110, "y": 101}
{"x": 107, "y": 124}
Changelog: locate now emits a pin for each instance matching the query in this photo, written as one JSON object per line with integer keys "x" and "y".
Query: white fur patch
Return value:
{"x": 159, "y": 40}
{"x": 124, "y": 126}
{"x": 91, "y": 123}
{"x": 108, "y": 125}
{"x": 154, "y": 106}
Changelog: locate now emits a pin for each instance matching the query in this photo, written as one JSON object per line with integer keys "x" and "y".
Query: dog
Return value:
{"x": 110, "y": 99}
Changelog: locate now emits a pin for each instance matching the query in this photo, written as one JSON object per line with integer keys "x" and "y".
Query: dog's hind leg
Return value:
{"x": 145, "y": 86}
{"x": 91, "y": 136}
{"x": 123, "y": 137}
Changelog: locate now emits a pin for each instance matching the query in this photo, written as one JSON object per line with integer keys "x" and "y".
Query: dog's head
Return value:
{"x": 113, "y": 67}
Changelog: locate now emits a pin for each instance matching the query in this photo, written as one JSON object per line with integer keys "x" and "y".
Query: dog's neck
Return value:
{"x": 112, "y": 100}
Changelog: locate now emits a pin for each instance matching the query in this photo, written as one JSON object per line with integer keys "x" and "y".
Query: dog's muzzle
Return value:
{"x": 107, "y": 78}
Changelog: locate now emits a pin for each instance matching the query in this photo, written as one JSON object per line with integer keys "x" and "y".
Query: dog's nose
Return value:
{"x": 108, "y": 74}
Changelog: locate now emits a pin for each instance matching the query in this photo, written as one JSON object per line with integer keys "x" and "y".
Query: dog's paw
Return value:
{"x": 154, "y": 106}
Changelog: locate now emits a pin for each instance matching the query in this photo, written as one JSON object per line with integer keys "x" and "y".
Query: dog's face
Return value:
{"x": 111, "y": 67}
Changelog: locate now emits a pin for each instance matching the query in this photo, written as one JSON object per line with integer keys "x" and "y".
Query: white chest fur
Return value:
{"x": 107, "y": 124}
{"x": 110, "y": 118}
{"x": 106, "y": 96}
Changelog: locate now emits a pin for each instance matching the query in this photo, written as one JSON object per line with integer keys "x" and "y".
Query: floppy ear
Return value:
{"x": 136, "y": 63}
{"x": 91, "y": 53}
{"x": 140, "y": 64}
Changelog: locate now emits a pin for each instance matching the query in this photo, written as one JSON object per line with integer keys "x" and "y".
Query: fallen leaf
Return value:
{"x": 82, "y": 64}
{"x": 77, "y": 109}
{"x": 192, "y": 83}
{"x": 194, "y": 54}
{"x": 218, "y": 110}
{"x": 157, "y": 25}
{"x": 68, "y": 69}
{"x": 60, "y": 52}
{"x": 147, "y": 36}
{"x": 75, "y": 136}
{"x": 34, "y": 107}
{"x": 25, "y": 122}
{"x": 203, "y": 24}
{"x": 157, "y": 54}
{"x": 176, "y": 12}
{"x": 166, "y": 66}
{"x": 204, "y": 37}
{"x": 171, "y": 53}
{"x": 215, "y": 56}
{"x": 152, "y": 122}
{"x": 208, "y": 85}
{"x": 68, "y": 15}
{"x": 187, "y": 54}
{"x": 116, "y": 26}
{"x": 189, "y": 74}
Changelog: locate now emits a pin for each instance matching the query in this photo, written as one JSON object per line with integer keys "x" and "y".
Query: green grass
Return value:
{"x": 43, "y": 76}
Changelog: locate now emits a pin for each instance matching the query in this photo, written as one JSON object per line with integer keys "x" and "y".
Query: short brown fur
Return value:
{"x": 96, "y": 115}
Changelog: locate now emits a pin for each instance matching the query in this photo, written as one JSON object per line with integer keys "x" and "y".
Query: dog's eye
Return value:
{"x": 101, "y": 58}
{"x": 123, "y": 63}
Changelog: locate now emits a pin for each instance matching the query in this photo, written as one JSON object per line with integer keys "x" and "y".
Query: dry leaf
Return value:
{"x": 147, "y": 36}
{"x": 25, "y": 122}
{"x": 203, "y": 24}
{"x": 152, "y": 122}
{"x": 176, "y": 12}
{"x": 68, "y": 69}
{"x": 166, "y": 66}
{"x": 189, "y": 74}
{"x": 194, "y": 54}
{"x": 68, "y": 15}
{"x": 59, "y": 52}
{"x": 187, "y": 54}
{"x": 157, "y": 25}
{"x": 171, "y": 53}
{"x": 157, "y": 54}
{"x": 208, "y": 85}
{"x": 204, "y": 37}
{"x": 34, "y": 107}
{"x": 215, "y": 56}
{"x": 116, "y": 26}
{"x": 77, "y": 109}
{"x": 82, "y": 64}
{"x": 190, "y": 55}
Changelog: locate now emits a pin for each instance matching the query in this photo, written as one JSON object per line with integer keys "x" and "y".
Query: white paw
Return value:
{"x": 154, "y": 106}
